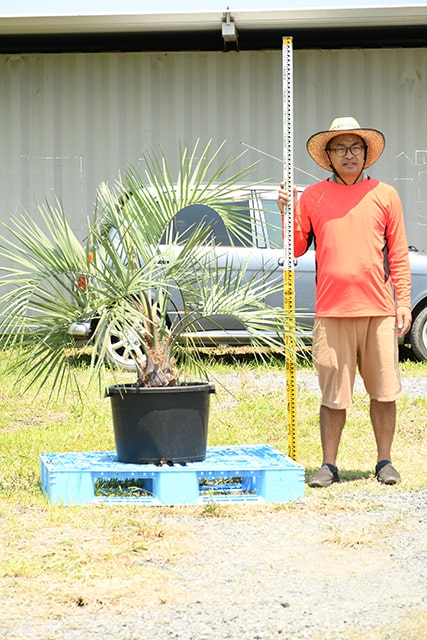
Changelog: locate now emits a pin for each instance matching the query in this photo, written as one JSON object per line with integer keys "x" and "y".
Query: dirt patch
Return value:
{"x": 340, "y": 565}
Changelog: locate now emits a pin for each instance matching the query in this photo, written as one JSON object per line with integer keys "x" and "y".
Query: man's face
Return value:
{"x": 347, "y": 154}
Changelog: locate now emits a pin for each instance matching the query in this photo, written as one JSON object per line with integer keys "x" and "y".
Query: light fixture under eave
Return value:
{"x": 229, "y": 29}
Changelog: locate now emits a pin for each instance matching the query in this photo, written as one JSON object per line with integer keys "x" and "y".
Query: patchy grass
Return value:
{"x": 249, "y": 407}
{"x": 54, "y": 558}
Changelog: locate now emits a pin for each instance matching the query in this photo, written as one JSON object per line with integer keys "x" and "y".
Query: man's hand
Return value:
{"x": 404, "y": 320}
{"x": 283, "y": 199}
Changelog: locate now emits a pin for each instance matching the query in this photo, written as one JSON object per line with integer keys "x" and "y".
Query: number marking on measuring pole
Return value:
{"x": 288, "y": 241}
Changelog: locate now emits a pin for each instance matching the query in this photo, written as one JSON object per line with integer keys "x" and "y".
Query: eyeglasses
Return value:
{"x": 341, "y": 150}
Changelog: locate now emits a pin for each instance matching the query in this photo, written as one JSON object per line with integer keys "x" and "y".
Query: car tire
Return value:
{"x": 418, "y": 335}
{"x": 123, "y": 351}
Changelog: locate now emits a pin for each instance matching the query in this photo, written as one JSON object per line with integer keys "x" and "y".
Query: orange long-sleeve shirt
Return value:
{"x": 361, "y": 247}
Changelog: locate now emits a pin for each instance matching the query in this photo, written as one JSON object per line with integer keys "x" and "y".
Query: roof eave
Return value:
{"x": 205, "y": 21}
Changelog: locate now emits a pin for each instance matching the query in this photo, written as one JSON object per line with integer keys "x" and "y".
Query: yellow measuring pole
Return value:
{"x": 288, "y": 245}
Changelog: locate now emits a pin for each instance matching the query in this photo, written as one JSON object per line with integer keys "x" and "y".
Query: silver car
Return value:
{"x": 264, "y": 253}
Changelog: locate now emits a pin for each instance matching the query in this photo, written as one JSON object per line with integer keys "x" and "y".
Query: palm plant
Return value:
{"x": 127, "y": 275}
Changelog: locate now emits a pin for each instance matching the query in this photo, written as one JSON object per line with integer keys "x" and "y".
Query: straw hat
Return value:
{"x": 373, "y": 139}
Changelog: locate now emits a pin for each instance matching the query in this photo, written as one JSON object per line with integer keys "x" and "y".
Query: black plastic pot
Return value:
{"x": 160, "y": 424}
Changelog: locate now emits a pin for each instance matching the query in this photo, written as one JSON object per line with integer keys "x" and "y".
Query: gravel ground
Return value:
{"x": 356, "y": 573}
{"x": 285, "y": 572}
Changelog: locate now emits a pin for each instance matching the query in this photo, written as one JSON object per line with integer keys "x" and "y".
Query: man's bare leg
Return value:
{"x": 383, "y": 418}
{"x": 332, "y": 422}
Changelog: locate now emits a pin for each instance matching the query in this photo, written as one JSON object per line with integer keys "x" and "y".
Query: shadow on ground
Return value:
{"x": 347, "y": 475}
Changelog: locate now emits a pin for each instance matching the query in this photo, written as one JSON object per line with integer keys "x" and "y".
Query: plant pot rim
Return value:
{"x": 184, "y": 387}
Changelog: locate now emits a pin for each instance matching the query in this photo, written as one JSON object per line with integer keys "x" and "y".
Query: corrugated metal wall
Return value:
{"x": 70, "y": 121}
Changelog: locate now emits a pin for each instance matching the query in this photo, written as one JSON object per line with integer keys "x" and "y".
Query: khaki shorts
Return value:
{"x": 340, "y": 345}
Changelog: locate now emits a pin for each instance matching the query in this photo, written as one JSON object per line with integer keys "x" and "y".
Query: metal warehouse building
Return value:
{"x": 82, "y": 95}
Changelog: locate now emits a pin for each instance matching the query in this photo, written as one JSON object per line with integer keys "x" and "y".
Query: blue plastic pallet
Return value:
{"x": 251, "y": 473}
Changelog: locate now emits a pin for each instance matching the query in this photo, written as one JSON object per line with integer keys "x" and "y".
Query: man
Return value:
{"x": 362, "y": 287}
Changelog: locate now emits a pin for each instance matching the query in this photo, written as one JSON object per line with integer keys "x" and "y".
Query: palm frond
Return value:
{"x": 129, "y": 273}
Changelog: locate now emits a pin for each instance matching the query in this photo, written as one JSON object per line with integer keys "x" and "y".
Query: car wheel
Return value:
{"x": 418, "y": 335}
{"x": 123, "y": 349}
